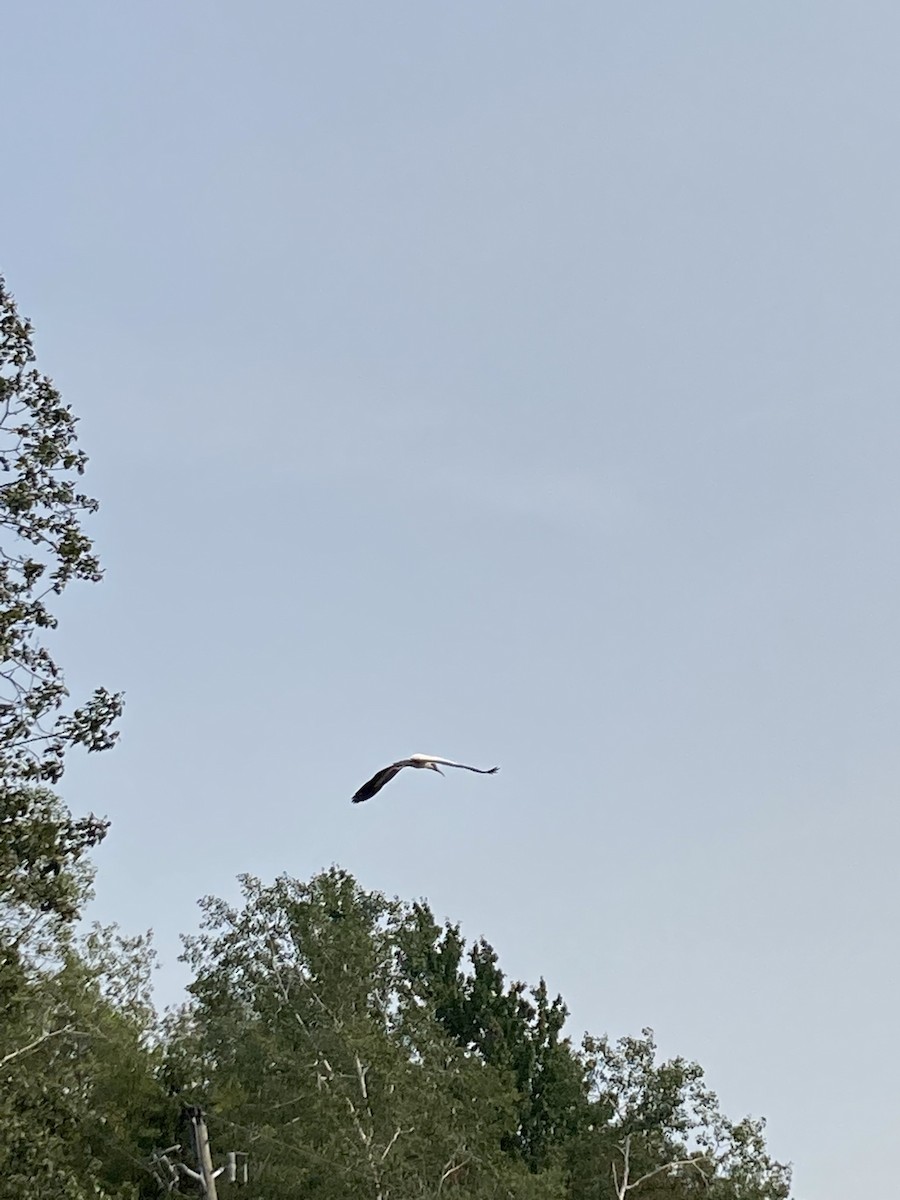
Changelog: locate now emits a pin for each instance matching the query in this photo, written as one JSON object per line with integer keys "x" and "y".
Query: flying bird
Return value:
{"x": 428, "y": 762}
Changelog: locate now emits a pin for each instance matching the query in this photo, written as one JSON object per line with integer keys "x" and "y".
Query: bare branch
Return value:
{"x": 670, "y": 1166}
{"x": 45, "y": 1037}
{"x": 450, "y": 1170}
{"x": 624, "y": 1185}
{"x": 397, "y": 1132}
{"x": 361, "y": 1073}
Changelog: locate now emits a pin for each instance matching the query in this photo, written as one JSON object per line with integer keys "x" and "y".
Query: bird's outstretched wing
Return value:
{"x": 448, "y": 762}
{"x": 377, "y": 782}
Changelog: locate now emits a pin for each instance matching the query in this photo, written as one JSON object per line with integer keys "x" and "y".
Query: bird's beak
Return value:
{"x": 435, "y": 767}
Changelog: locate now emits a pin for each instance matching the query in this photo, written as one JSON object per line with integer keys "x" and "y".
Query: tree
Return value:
{"x": 68, "y": 1034}
{"x": 657, "y": 1133}
{"x": 307, "y": 1035}
{"x": 44, "y": 548}
{"x": 81, "y": 1102}
{"x": 43, "y": 872}
{"x": 357, "y": 1050}
{"x": 510, "y": 1027}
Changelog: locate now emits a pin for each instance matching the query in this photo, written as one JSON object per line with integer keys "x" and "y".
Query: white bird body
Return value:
{"x": 428, "y": 762}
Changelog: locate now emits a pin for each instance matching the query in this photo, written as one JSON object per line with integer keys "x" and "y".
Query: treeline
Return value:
{"x": 351, "y": 1044}
{"x": 354, "y": 1048}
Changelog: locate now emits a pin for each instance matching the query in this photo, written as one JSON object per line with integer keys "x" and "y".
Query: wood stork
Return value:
{"x": 428, "y": 762}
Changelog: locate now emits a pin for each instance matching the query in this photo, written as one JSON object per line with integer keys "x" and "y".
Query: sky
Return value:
{"x": 515, "y": 382}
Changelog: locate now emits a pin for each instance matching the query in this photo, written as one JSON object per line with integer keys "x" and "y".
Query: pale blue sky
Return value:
{"x": 514, "y": 382}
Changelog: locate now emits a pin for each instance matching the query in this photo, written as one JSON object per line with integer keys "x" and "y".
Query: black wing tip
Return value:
{"x": 493, "y": 770}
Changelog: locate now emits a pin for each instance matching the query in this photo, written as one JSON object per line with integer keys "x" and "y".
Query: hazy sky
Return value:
{"x": 517, "y": 382}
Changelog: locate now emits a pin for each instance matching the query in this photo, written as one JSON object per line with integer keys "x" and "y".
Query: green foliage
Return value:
{"x": 310, "y": 1040}
{"x": 80, "y": 1102}
{"x": 658, "y": 1122}
{"x": 359, "y": 1051}
{"x": 75, "y": 1072}
{"x": 44, "y": 548}
{"x": 511, "y": 1028}
{"x": 43, "y": 874}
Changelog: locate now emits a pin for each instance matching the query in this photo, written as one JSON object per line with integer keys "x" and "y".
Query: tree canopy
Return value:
{"x": 365, "y": 1052}
{"x": 43, "y": 548}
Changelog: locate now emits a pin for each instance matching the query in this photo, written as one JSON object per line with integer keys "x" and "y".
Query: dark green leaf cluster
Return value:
{"x": 81, "y": 1099}
{"x": 511, "y": 1028}
{"x": 43, "y": 548}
